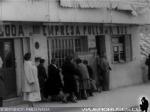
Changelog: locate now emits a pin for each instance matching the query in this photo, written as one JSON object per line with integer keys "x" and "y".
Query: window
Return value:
{"x": 121, "y": 47}
{"x": 67, "y": 46}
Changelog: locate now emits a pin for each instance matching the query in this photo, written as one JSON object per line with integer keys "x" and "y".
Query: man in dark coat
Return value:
{"x": 148, "y": 64}
{"x": 54, "y": 82}
{"x": 42, "y": 76}
{"x": 105, "y": 69}
{"x": 69, "y": 73}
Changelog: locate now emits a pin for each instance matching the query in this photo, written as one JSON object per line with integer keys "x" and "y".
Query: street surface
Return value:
{"x": 125, "y": 97}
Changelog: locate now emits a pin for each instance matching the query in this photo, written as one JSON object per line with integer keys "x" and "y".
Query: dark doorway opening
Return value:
{"x": 7, "y": 70}
{"x": 102, "y": 76}
{"x": 100, "y": 45}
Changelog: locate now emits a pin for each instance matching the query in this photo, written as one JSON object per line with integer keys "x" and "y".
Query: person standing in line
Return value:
{"x": 69, "y": 72}
{"x": 54, "y": 82}
{"x": 91, "y": 76}
{"x": 100, "y": 77}
{"x": 85, "y": 80}
{"x": 42, "y": 76}
{"x": 31, "y": 89}
{"x": 105, "y": 71}
{"x": 148, "y": 64}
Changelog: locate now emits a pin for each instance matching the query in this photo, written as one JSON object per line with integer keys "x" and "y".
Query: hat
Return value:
{"x": 42, "y": 60}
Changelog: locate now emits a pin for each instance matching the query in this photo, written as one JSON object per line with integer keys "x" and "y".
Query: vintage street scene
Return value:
{"x": 75, "y": 55}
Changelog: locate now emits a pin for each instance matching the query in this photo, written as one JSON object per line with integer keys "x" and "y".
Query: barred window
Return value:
{"x": 67, "y": 46}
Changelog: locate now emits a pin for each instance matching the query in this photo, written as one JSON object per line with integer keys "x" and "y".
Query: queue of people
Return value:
{"x": 72, "y": 82}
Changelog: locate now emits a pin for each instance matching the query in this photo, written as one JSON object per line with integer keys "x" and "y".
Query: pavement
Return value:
{"x": 125, "y": 97}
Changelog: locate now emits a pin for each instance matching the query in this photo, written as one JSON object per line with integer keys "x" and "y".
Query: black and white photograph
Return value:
{"x": 74, "y": 55}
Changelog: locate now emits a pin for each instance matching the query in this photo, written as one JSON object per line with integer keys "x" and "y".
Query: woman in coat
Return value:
{"x": 69, "y": 73}
{"x": 91, "y": 76}
{"x": 31, "y": 89}
{"x": 85, "y": 80}
{"x": 54, "y": 82}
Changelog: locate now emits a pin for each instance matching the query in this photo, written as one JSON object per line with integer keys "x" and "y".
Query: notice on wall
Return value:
{"x": 91, "y": 42}
{"x": 85, "y": 55}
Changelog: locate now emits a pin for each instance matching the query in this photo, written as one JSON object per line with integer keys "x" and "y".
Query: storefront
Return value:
{"x": 58, "y": 40}
{"x": 13, "y": 44}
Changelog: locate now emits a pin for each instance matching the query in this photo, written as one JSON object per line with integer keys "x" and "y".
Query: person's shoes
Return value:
{"x": 74, "y": 101}
{"x": 1, "y": 102}
{"x": 91, "y": 94}
{"x": 79, "y": 98}
{"x": 64, "y": 100}
{"x": 84, "y": 98}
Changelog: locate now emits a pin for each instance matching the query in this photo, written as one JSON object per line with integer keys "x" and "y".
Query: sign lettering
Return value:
{"x": 11, "y": 30}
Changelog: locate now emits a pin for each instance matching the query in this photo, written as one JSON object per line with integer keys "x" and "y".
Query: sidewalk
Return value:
{"x": 122, "y": 97}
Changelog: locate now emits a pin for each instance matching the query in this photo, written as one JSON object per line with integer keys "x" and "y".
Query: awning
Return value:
{"x": 134, "y": 6}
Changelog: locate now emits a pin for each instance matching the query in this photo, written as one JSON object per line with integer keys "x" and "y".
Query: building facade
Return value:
{"x": 48, "y": 30}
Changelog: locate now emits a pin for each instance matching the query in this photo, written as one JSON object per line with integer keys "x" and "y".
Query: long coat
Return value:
{"x": 54, "y": 83}
{"x": 29, "y": 77}
{"x": 85, "y": 79}
{"x": 105, "y": 71}
{"x": 69, "y": 73}
{"x": 42, "y": 76}
{"x": 31, "y": 87}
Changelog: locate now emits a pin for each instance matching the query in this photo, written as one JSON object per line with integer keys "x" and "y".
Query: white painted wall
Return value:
{"x": 129, "y": 73}
{"x": 50, "y": 11}
{"x": 19, "y": 64}
{"x": 42, "y": 51}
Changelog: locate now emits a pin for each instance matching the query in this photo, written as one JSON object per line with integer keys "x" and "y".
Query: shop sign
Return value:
{"x": 81, "y": 30}
{"x": 11, "y": 30}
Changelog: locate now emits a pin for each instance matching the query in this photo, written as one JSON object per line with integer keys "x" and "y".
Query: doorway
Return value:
{"x": 7, "y": 70}
{"x": 100, "y": 44}
{"x": 102, "y": 76}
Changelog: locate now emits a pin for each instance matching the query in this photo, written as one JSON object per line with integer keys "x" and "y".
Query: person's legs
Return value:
{"x": 106, "y": 81}
{"x": 90, "y": 92}
{"x": 83, "y": 94}
{"x": 1, "y": 101}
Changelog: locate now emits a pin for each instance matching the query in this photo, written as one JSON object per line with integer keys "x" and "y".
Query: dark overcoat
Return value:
{"x": 105, "y": 71}
{"x": 42, "y": 76}
{"x": 54, "y": 82}
{"x": 69, "y": 73}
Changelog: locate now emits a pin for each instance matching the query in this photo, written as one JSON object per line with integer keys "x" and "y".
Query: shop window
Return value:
{"x": 121, "y": 47}
{"x": 67, "y": 46}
